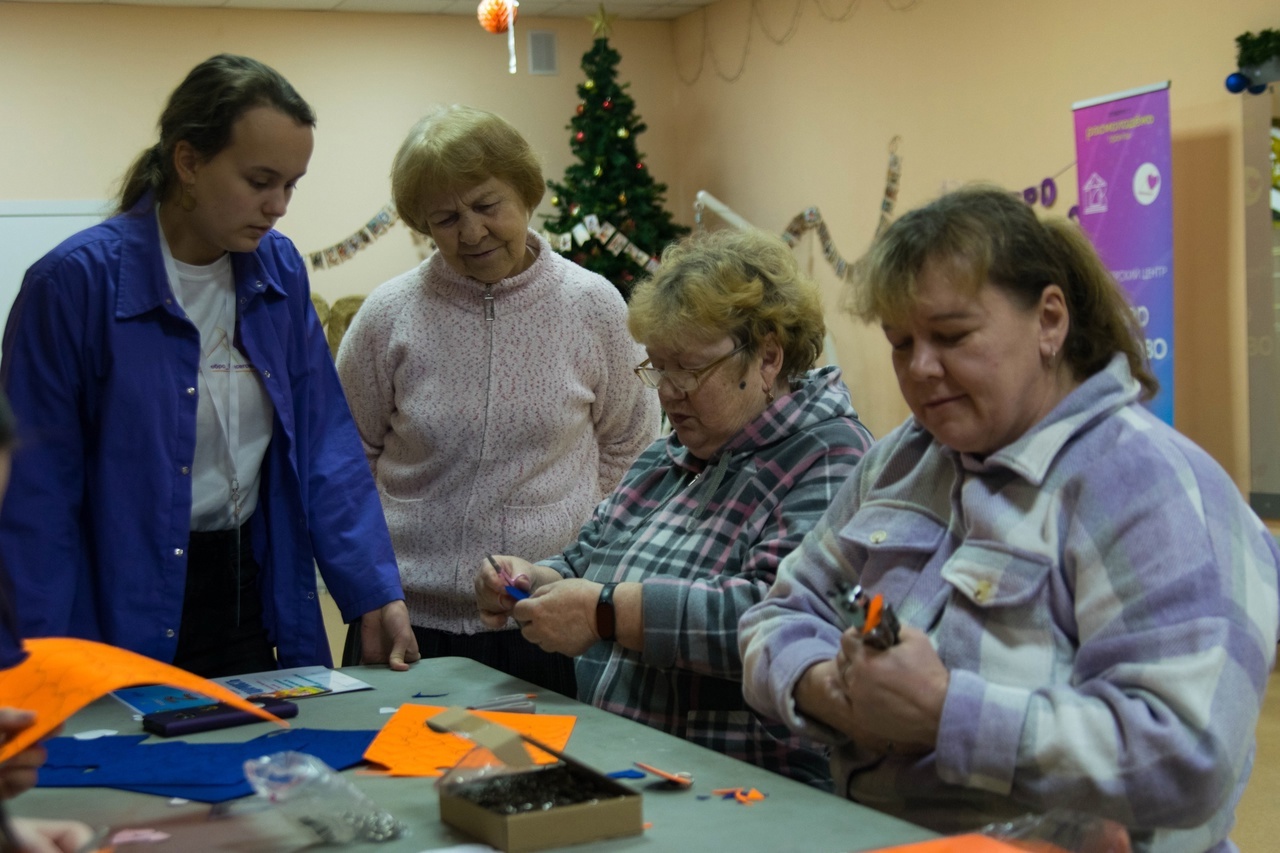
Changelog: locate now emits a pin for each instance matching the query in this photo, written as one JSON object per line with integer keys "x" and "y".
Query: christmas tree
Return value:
{"x": 611, "y": 181}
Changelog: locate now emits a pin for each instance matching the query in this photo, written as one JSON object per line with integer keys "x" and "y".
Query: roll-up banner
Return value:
{"x": 1123, "y": 164}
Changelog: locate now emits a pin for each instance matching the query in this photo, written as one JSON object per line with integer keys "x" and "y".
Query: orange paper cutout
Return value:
{"x": 407, "y": 747}
{"x": 970, "y": 843}
{"x": 61, "y": 675}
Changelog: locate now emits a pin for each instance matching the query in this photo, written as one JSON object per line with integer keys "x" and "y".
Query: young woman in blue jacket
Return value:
{"x": 187, "y": 457}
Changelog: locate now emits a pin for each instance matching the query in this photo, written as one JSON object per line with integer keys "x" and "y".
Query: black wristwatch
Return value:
{"x": 606, "y": 616}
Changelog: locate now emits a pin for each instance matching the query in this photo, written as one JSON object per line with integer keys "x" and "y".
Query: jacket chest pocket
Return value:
{"x": 997, "y": 619}
{"x": 892, "y": 543}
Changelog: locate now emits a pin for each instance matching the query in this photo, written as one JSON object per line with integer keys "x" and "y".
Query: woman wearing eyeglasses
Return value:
{"x": 648, "y": 597}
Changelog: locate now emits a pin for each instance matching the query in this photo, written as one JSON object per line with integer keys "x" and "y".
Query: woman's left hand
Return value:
{"x": 561, "y": 617}
{"x": 895, "y": 694}
{"x": 387, "y": 637}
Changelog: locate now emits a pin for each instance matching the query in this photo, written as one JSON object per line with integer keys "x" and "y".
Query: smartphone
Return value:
{"x": 205, "y": 718}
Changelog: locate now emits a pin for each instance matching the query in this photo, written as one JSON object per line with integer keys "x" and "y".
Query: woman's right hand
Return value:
{"x": 19, "y": 773}
{"x": 35, "y": 835}
{"x": 491, "y": 588}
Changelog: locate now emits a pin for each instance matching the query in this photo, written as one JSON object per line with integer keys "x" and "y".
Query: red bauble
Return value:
{"x": 580, "y": 135}
{"x": 493, "y": 15}
{"x": 639, "y": 165}
{"x": 582, "y": 108}
{"x": 608, "y": 104}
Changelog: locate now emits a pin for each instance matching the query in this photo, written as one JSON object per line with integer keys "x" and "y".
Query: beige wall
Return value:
{"x": 977, "y": 89}
{"x": 84, "y": 85}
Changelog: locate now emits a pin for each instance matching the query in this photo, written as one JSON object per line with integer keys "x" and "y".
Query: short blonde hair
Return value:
{"x": 744, "y": 284}
{"x": 984, "y": 233}
{"x": 460, "y": 147}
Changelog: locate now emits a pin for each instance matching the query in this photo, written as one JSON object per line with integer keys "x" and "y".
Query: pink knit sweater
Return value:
{"x": 491, "y": 436}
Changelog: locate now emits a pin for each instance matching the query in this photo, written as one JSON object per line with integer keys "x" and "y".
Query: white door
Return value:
{"x": 28, "y": 229}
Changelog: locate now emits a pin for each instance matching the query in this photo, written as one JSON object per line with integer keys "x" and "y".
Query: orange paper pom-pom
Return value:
{"x": 493, "y": 15}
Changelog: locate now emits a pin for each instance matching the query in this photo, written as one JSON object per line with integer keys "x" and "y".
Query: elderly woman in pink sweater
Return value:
{"x": 491, "y": 385}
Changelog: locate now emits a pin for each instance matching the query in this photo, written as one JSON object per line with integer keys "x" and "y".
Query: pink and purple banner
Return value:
{"x": 1123, "y": 164}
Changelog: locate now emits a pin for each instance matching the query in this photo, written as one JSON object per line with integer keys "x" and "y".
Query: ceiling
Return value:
{"x": 639, "y": 9}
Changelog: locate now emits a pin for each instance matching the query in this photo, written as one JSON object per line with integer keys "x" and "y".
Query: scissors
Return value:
{"x": 871, "y": 616}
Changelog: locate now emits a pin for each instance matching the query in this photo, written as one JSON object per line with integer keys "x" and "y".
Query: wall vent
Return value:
{"x": 542, "y": 52}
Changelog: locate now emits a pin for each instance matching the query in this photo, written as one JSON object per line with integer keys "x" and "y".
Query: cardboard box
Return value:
{"x": 611, "y": 809}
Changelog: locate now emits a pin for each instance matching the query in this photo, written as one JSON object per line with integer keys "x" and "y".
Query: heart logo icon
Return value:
{"x": 1153, "y": 180}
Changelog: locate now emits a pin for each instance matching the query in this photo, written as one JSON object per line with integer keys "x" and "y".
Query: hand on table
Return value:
{"x": 387, "y": 637}
{"x": 36, "y": 835}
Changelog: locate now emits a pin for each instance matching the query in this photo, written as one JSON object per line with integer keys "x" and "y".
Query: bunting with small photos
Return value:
{"x": 341, "y": 252}
{"x": 810, "y": 218}
{"x": 591, "y": 228}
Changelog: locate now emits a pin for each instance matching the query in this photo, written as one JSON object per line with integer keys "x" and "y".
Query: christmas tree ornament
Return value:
{"x": 555, "y": 201}
{"x": 590, "y": 85}
{"x": 623, "y": 133}
{"x": 582, "y": 108}
{"x": 580, "y": 135}
{"x": 601, "y": 23}
{"x": 597, "y": 171}
{"x": 608, "y": 103}
{"x": 573, "y": 209}
{"x": 622, "y": 198}
{"x": 495, "y": 15}
{"x": 639, "y": 165}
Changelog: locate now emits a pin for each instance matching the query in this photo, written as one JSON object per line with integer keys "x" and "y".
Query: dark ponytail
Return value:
{"x": 202, "y": 111}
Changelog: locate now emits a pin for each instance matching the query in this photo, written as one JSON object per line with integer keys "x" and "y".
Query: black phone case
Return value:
{"x": 205, "y": 718}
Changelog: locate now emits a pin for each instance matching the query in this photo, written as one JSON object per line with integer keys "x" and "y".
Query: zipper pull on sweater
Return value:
{"x": 708, "y": 490}
{"x": 488, "y": 301}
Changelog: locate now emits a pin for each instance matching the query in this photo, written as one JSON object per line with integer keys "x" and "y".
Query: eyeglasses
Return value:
{"x": 684, "y": 381}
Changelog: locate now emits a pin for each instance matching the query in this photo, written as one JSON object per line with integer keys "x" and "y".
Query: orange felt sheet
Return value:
{"x": 61, "y": 675}
{"x": 407, "y": 747}
{"x": 971, "y": 843}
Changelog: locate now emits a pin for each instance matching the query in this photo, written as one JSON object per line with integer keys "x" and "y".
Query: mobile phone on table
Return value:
{"x": 206, "y": 718}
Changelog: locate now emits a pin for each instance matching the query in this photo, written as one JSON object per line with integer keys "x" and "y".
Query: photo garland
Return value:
{"x": 590, "y": 227}
{"x": 344, "y": 251}
{"x": 811, "y": 218}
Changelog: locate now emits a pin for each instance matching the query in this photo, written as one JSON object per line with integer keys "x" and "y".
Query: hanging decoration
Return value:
{"x": 1047, "y": 192}
{"x": 344, "y": 251}
{"x": 754, "y": 16}
{"x": 893, "y": 176}
{"x": 591, "y": 228}
{"x": 1257, "y": 61}
{"x": 499, "y": 16}
{"x": 810, "y": 218}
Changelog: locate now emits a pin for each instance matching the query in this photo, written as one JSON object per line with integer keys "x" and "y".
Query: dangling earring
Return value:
{"x": 768, "y": 396}
{"x": 186, "y": 199}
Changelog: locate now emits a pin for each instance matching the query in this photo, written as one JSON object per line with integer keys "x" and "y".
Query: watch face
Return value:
{"x": 606, "y": 624}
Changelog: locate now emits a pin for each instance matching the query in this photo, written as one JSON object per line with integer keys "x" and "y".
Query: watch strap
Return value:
{"x": 606, "y": 615}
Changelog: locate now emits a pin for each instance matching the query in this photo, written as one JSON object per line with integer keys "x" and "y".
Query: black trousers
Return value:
{"x": 222, "y": 632}
{"x": 505, "y": 651}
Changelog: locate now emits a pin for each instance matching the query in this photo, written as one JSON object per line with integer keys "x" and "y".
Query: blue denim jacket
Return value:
{"x": 100, "y": 366}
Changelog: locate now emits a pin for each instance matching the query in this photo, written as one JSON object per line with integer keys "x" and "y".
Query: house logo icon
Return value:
{"x": 1095, "y": 194}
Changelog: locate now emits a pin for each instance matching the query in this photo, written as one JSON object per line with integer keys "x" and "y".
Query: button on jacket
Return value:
{"x": 101, "y": 367}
